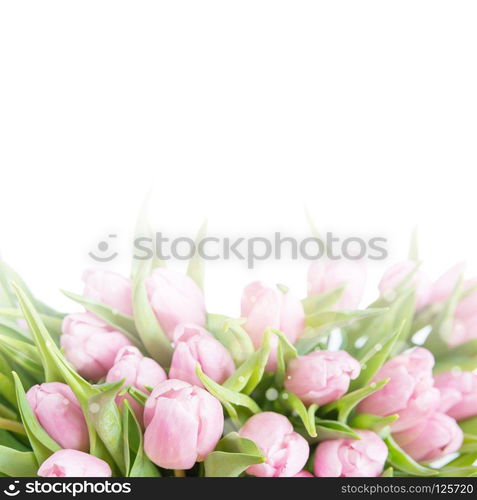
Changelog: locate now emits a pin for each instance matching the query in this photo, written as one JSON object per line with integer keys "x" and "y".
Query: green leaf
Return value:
{"x": 323, "y": 301}
{"x": 22, "y": 354}
{"x": 136, "y": 461}
{"x": 246, "y": 378}
{"x": 16, "y": 463}
{"x": 331, "y": 429}
{"x": 400, "y": 460}
{"x": 294, "y": 404}
{"x": 347, "y": 403}
{"x": 469, "y": 445}
{"x": 457, "y": 472}
{"x": 230, "y": 399}
{"x": 232, "y": 456}
{"x": 331, "y": 320}
{"x": 53, "y": 323}
{"x": 372, "y": 422}
{"x": 230, "y": 333}
{"x": 464, "y": 460}
{"x": 374, "y": 360}
{"x": 42, "y": 444}
{"x": 57, "y": 369}
{"x": 340, "y": 317}
{"x": 105, "y": 417}
{"x": 149, "y": 329}
{"x": 118, "y": 321}
{"x": 11, "y": 425}
{"x": 195, "y": 268}
{"x": 469, "y": 425}
{"x": 285, "y": 353}
{"x": 389, "y": 472}
{"x": 138, "y": 395}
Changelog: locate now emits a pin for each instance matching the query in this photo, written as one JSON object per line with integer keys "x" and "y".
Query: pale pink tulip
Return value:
{"x": 90, "y": 345}
{"x": 136, "y": 371}
{"x": 265, "y": 307}
{"x": 109, "y": 288}
{"x": 59, "y": 413}
{"x": 410, "y": 393}
{"x": 322, "y": 376}
{"x": 193, "y": 345}
{"x": 458, "y": 393}
{"x": 183, "y": 424}
{"x": 73, "y": 463}
{"x": 432, "y": 438}
{"x": 395, "y": 275}
{"x": 286, "y": 451}
{"x": 175, "y": 298}
{"x": 326, "y": 275}
{"x": 363, "y": 457}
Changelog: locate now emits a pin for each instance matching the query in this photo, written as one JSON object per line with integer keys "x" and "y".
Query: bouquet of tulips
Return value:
{"x": 146, "y": 382}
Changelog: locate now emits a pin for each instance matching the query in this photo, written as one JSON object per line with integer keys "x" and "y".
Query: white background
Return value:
{"x": 244, "y": 111}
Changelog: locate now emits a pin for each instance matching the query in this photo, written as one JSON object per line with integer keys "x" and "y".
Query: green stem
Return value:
{"x": 11, "y": 425}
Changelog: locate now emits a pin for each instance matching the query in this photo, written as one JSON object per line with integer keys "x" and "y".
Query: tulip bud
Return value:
{"x": 458, "y": 393}
{"x": 73, "y": 463}
{"x": 431, "y": 438}
{"x": 324, "y": 276}
{"x": 264, "y": 307}
{"x": 444, "y": 286}
{"x": 137, "y": 371}
{"x": 59, "y": 413}
{"x": 183, "y": 424}
{"x": 410, "y": 391}
{"x": 363, "y": 457}
{"x": 322, "y": 376}
{"x": 175, "y": 298}
{"x": 303, "y": 473}
{"x": 109, "y": 288}
{"x": 465, "y": 318}
{"x": 395, "y": 275}
{"x": 286, "y": 452}
{"x": 194, "y": 345}
{"x": 90, "y": 345}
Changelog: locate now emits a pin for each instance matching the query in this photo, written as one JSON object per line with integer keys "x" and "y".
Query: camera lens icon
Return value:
{"x": 12, "y": 490}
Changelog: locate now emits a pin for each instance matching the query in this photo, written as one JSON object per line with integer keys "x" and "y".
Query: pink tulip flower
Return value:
{"x": 109, "y": 288}
{"x": 137, "y": 371}
{"x": 264, "y": 307}
{"x": 175, "y": 298}
{"x": 90, "y": 345}
{"x": 465, "y": 317}
{"x": 395, "y": 275}
{"x": 286, "y": 451}
{"x": 73, "y": 463}
{"x": 193, "y": 345}
{"x": 363, "y": 457}
{"x": 322, "y": 376}
{"x": 410, "y": 391}
{"x": 183, "y": 424}
{"x": 303, "y": 473}
{"x": 432, "y": 438}
{"x": 444, "y": 286}
{"x": 59, "y": 413}
{"x": 458, "y": 393}
{"x": 326, "y": 275}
